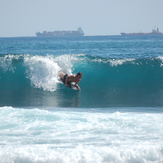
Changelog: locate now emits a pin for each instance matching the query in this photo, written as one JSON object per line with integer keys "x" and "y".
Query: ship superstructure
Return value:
{"x": 79, "y": 32}
{"x": 154, "y": 32}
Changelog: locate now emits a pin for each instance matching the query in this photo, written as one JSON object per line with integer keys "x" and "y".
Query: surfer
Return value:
{"x": 67, "y": 79}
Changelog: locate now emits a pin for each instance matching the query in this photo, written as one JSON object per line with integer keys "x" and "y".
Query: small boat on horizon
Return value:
{"x": 154, "y": 32}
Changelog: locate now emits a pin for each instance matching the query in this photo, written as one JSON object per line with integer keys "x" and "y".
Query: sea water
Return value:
{"x": 116, "y": 117}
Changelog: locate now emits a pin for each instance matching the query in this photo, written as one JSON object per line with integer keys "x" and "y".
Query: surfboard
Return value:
{"x": 71, "y": 86}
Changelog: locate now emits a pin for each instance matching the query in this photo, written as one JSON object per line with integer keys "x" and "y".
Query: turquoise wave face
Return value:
{"x": 33, "y": 80}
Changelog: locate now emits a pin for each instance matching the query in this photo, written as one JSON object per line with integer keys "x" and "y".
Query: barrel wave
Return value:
{"x": 32, "y": 80}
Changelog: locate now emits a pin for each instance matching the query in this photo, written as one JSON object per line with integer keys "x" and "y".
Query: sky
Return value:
{"x": 96, "y": 17}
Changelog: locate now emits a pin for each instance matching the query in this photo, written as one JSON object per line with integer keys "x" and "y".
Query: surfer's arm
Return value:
{"x": 76, "y": 85}
{"x": 66, "y": 81}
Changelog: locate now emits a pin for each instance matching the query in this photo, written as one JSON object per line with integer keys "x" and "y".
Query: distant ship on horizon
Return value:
{"x": 154, "y": 32}
{"x": 79, "y": 32}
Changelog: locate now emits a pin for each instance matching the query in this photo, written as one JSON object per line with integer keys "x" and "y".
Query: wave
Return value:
{"x": 41, "y": 71}
{"x": 25, "y": 79}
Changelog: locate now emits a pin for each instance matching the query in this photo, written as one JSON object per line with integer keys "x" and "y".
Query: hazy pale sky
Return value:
{"x": 96, "y": 17}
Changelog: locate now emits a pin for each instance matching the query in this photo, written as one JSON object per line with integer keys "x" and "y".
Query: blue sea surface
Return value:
{"x": 116, "y": 117}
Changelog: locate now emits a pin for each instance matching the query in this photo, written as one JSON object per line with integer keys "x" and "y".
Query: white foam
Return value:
{"x": 116, "y": 62}
{"x": 112, "y": 62}
{"x": 66, "y": 63}
{"x": 84, "y": 154}
{"x": 6, "y": 62}
{"x": 66, "y": 135}
{"x": 160, "y": 58}
{"x": 42, "y": 71}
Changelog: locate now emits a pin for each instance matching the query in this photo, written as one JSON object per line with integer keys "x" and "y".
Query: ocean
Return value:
{"x": 116, "y": 117}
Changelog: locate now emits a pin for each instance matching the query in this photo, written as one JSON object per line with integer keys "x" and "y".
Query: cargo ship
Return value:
{"x": 79, "y": 32}
{"x": 154, "y": 32}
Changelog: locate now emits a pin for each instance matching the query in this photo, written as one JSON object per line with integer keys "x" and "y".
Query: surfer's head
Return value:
{"x": 79, "y": 75}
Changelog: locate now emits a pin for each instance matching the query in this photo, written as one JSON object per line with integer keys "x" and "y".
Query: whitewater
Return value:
{"x": 116, "y": 117}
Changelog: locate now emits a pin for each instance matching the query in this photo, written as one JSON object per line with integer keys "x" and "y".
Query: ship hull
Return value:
{"x": 154, "y": 32}
{"x": 141, "y": 33}
{"x": 53, "y": 35}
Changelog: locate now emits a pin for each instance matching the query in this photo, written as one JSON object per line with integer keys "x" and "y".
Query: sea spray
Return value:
{"x": 42, "y": 72}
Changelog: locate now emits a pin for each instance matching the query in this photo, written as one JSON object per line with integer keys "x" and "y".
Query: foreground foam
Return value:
{"x": 84, "y": 154}
{"x": 61, "y": 135}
